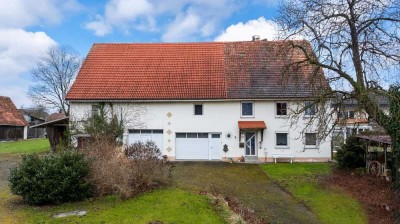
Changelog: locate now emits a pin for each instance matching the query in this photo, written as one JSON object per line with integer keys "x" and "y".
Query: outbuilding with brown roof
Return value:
{"x": 13, "y": 125}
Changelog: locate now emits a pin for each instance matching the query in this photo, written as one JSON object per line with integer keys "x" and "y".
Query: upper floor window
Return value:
{"x": 311, "y": 139}
{"x": 281, "y": 109}
{"x": 247, "y": 109}
{"x": 198, "y": 109}
{"x": 347, "y": 114}
{"x": 351, "y": 114}
{"x": 95, "y": 110}
{"x": 310, "y": 108}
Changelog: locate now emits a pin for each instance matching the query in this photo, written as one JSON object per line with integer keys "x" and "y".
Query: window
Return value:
{"x": 180, "y": 135}
{"x": 282, "y": 139}
{"x": 198, "y": 109}
{"x": 215, "y": 136}
{"x": 95, "y": 110}
{"x": 247, "y": 109}
{"x": 281, "y": 109}
{"x": 202, "y": 135}
{"x": 351, "y": 114}
{"x": 311, "y": 139}
{"x": 347, "y": 114}
{"x": 145, "y": 131}
{"x": 310, "y": 108}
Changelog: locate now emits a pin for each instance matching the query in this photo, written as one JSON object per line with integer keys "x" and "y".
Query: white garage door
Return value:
{"x": 197, "y": 146}
{"x": 146, "y": 135}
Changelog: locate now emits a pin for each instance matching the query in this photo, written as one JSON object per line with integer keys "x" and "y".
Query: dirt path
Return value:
{"x": 246, "y": 182}
{"x": 7, "y": 161}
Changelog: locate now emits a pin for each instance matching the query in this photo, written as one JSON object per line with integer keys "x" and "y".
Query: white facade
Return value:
{"x": 218, "y": 117}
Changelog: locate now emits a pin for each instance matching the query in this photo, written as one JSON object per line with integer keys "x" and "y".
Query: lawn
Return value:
{"x": 168, "y": 205}
{"x": 331, "y": 205}
{"x": 25, "y": 146}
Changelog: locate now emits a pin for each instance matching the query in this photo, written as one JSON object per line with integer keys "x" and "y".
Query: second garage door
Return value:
{"x": 146, "y": 135}
{"x": 196, "y": 146}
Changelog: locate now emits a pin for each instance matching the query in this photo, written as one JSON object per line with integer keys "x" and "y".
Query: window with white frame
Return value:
{"x": 247, "y": 109}
{"x": 311, "y": 139}
{"x": 282, "y": 139}
{"x": 310, "y": 108}
{"x": 281, "y": 109}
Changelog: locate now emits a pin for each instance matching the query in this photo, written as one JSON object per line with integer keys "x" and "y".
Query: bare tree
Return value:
{"x": 53, "y": 77}
{"x": 357, "y": 44}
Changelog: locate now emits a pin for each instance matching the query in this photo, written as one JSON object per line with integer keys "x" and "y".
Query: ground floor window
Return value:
{"x": 282, "y": 139}
{"x": 311, "y": 139}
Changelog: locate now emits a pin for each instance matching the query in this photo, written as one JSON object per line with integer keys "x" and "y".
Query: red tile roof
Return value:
{"x": 9, "y": 114}
{"x": 168, "y": 71}
{"x": 252, "y": 125}
{"x": 55, "y": 116}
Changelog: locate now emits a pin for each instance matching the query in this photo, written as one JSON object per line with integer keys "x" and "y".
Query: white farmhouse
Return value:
{"x": 206, "y": 101}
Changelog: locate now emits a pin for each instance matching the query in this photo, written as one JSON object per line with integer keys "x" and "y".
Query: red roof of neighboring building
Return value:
{"x": 9, "y": 114}
{"x": 215, "y": 70}
{"x": 55, "y": 116}
{"x": 252, "y": 125}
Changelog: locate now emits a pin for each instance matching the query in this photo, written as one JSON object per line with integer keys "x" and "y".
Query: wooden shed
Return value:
{"x": 13, "y": 125}
{"x": 56, "y": 127}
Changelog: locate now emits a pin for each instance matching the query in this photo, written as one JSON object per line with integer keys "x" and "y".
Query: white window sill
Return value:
{"x": 281, "y": 147}
{"x": 311, "y": 147}
{"x": 252, "y": 116}
{"x": 282, "y": 116}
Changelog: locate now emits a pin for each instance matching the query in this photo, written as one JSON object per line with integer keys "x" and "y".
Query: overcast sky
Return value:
{"x": 29, "y": 27}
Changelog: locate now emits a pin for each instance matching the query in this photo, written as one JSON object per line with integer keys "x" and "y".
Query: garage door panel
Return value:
{"x": 146, "y": 135}
{"x": 190, "y": 147}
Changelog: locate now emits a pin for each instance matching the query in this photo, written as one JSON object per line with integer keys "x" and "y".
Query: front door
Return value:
{"x": 250, "y": 143}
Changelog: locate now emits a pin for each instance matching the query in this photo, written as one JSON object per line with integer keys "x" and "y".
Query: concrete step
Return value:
{"x": 251, "y": 159}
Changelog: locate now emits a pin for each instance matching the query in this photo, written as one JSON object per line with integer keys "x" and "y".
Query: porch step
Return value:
{"x": 251, "y": 159}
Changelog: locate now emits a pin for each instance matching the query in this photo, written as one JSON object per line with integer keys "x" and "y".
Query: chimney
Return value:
{"x": 256, "y": 38}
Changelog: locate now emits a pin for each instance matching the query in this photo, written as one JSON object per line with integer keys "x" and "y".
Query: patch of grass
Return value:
{"x": 26, "y": 146}
{"x": 168, "y": 205}
{"x": 331, "y": 205}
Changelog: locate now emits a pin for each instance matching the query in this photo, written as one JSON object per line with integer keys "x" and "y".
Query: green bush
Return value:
{"x": 52, "y": 178}
{"x": 351, "y": 154}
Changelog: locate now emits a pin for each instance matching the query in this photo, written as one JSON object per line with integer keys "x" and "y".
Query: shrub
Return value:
{"x": 125, "y": 172}
{"x": 351, "y": 154}
{"x": 52, "y": 178}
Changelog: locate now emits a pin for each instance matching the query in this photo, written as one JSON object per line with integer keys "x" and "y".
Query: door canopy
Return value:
{"x": 252, "y": 125}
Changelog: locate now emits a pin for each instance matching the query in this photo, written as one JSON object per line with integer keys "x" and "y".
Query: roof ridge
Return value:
{"x": 194, "y": 43}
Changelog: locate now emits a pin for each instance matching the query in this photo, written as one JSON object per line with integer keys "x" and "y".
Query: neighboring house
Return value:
{"x": 352, "y": 120}
{"x": 13, "y": 126}
{"x": 195, "y": 99}
{"x": 38, "y": 132}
